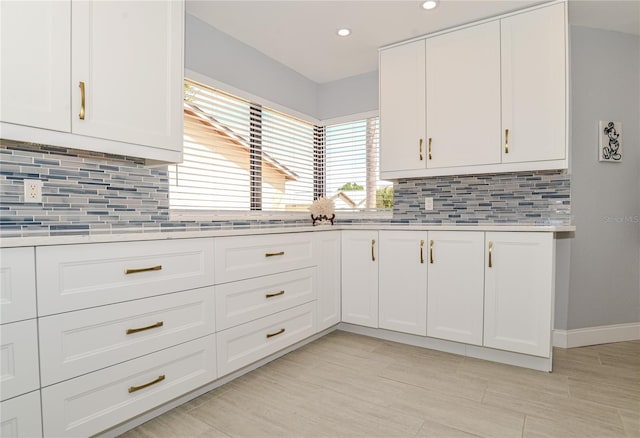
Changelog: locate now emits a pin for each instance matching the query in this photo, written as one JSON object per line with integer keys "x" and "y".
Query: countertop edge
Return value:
{"x": 137, "y": 235}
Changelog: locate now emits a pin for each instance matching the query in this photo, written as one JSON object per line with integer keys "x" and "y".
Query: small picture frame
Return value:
{"x": 610, "y": 141}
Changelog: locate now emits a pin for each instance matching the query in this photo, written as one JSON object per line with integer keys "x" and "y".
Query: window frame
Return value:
{"x": 319, "y": 185}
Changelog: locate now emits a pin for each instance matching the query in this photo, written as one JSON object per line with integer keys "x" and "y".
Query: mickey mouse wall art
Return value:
{"x": 610, "y": 145}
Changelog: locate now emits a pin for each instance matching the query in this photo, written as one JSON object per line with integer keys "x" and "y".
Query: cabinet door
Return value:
{"x": 328, "y": 252}
{"x": 519, "y": 291}
{"x": 402, "y": 108}
{"x": 360, "y": 278}
{"x": 129, "y": 57}
{"x": 534, "y": 85}
{"x": 455, "y": 297}
{"x": 463, "y": 97}
{"x": 17, "y": 284}
{"x": 36, "y": 57}
{"x": 21, "y": 417}
{"x": 403, "y": 282}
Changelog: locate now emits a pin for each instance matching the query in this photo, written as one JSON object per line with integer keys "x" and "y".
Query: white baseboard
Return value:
{"x": 605, "y": 334}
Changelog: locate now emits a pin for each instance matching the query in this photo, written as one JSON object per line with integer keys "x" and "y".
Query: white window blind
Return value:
{"x": 352, "y": 166}
{"x": 239, "y": 155}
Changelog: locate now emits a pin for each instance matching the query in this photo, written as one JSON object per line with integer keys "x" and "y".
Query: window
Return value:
{"x": 352, "y": 166}
{"x": 239, "y": 155}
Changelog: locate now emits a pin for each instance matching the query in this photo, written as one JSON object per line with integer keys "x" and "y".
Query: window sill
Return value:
{"x": 232, "y": 216}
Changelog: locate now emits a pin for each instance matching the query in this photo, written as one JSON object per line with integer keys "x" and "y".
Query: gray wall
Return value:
{"x": 219, "y": 56}
{"x": 357, "y": 94}
{"x": 604, "y": 283}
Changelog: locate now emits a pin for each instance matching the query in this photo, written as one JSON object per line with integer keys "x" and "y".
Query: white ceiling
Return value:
{"x": 301, "y": 34}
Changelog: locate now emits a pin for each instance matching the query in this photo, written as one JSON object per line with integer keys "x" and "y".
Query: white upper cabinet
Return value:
{"x": 129, "y": 57}
{"x": 533, "y": 85}
{"x": 36, "y": 59}
{"x": 402, "y": 107}
{"x": 403, "y": 281}
{"x": 463, "y": 97}
{"x": 493, "y": 98}
{"x": 105, "y": 76}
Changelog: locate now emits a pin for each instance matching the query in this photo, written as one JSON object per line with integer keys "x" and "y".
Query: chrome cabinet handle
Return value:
{"x": 149, "y": 327}
{"x": 137, "y": 271}
{"x": 153, "y": 382}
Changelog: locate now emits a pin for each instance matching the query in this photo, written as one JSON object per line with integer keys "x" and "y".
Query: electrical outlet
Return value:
{"x": 428, "y": 204}
{"x": 32, "y": 191}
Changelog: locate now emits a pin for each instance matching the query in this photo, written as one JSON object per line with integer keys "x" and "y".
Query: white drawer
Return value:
{"x": 247, "y": 343}
{"x": 19, "y": 358}
{"x": 20, "y": 417}
{"x": 17, "y": 284}
{"x": 86, "y": 340}
{"x": 72, "y": 277}
{"x": 242, "y": 257}
{"x": 242, "y": 301}
{"x": 94, "y": 402}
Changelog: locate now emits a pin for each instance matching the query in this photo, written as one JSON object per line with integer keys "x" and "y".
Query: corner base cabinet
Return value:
{"x": 519, "y": 292}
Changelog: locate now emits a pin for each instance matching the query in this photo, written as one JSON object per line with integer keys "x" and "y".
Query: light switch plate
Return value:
{"x": 428, "y": 204}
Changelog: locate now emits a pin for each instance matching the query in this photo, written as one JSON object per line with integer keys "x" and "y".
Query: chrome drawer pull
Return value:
{"x": 138, "y": 388}
{"x": 271, "y": 335}
{"x": 275, "y": 294}
{"x": 273, "y": 254}
{"x": 141, "y": 329}
{"x": 136, "y": 271}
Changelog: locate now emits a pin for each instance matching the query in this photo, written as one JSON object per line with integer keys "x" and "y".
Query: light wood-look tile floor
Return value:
{"x": 346, "y": 385}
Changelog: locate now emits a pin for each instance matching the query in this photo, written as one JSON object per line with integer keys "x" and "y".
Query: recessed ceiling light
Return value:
{"x": 344, "y": 32}
{"x": 430, "y": 4}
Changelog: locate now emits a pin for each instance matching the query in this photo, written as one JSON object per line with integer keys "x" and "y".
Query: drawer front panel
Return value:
{"x": 19, "y": 358}
{"x": 73, "y": 277}
{"x": 242, "y": 301}
{"x": 239, "y": 258}
{"x": 247, "y": 343}
{"x": 86, "y": 340}
{"x": 17, "y": 284}
{"x": 97, "y": 401}
{"x": 20, "y": 417}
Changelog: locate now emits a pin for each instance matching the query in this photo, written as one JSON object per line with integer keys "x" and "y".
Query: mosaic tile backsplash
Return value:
{"x": 524, "y": 197}
{"x": 87, "y": 192}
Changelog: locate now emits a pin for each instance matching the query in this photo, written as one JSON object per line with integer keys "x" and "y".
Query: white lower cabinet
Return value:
{"x": 519, "y": 292}
{"x": 97, "y": 401}
{"x": 20, "y": 417}
{"x": 79, "y": 342}
{"x": 403, "y": 281}
{"x": 360, "y": 277}
{"x": 327, "y": 252}
{"x": 243, "y": 301}
{"x": 247, "y": 343}
{"x": 19, "y": 358}
{"x": 456, "y": 286}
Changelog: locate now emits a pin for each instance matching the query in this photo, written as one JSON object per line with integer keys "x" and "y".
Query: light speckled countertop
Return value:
{"x": 135, "y": 235}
